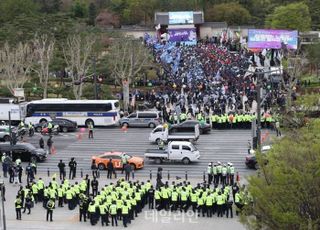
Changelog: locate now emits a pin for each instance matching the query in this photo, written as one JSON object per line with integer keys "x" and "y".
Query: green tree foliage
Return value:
{"x": 80, "y": 9}
{"x": 314, "y": 7}
{"x": 49, "y": 6}
{"x": 292, "y": 16}
{"x": 10, "y": 9}
{"x": 232, "y": 13}
{"x": 286, "y": 190}
{"x": 314, "y": 56}
{"x": 92, "y": 14}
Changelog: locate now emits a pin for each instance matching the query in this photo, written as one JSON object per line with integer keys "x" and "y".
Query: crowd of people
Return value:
{"x": 210, "y": 78}
{"x": 124, "y": 200}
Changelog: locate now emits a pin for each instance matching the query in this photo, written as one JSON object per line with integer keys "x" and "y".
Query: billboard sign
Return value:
{"x": 182, "y": 35}
{"x": 181, "y": 17}
{"x": 272, "y": 39}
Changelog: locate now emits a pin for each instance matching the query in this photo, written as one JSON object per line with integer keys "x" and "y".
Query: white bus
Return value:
{"x": 99, "y": 112}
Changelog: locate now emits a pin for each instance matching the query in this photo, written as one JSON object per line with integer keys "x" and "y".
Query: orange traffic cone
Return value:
{"x": 53, "y": 150}
{"x": 79, "y": 136}
{"x": 124, "y": 128}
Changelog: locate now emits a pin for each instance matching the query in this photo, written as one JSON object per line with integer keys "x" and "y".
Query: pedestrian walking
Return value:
{"x": 210, "y": 173}
{"x": 95, "y": 186}
{"x": 62, "y": 170}
{"x": 94, "y": 169}
{"x": 41, "y": 143}
{"x": 50, "y": 207}
{"x": 50, "y": 144}
{"x": 29, "y": 172}
{"x": 90, "y": 128}
{"x": 110, "y": 169}
{"x": 72, "y": 168}
{"x": 128, "y": 170}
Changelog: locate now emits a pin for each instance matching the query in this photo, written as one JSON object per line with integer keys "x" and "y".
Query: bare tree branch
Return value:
{"x": 43, "y": 48}
{"x": 76, "y": 53}
{"x": 128, "y": 57}
{"x": 15, "y": 63}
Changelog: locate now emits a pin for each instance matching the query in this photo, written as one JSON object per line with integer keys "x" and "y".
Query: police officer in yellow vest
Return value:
{"x": 93, "y": 212}
{"x": 18, "y": 206}
{"x": 125, "y": 213}
{"x": 182, "y": 117}
{"x": 174, "y": 200}
{"x": 103, "y": 213}
{"x": 220, "y": 203}
{"x": 113, "y": 213}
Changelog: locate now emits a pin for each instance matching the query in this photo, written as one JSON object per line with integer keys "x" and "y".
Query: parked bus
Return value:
{"x": 98, "y": 112}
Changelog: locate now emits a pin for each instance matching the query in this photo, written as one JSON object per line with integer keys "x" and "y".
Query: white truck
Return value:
{"x": 164, "y": 133}
{"x": 181, "y": 151}
{"x": 7, "y": 105}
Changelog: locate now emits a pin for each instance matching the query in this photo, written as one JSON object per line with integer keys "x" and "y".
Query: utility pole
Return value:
{"x": 2, "y": 204}
{"x": 10, "y": 130}
{"x": 95, "y": 79}
{"x": 259, "y": 113}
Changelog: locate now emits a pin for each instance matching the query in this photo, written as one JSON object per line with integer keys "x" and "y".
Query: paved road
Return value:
{"x": 220, "y": 145}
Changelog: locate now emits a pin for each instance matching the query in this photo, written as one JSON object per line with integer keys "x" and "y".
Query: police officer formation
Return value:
{"x": 124, "y": 200}
{"x": 229, "y": 120}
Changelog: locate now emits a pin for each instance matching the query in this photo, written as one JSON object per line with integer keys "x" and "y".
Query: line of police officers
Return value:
{"x": 221, "y": 173}
{"x": 226, "y": 121}
{"x": 125, "y": 199}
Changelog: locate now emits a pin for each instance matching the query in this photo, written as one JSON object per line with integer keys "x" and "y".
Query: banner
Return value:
{"x": 182, "y": 35}
{"x": 272, "y": 39}
{"x": 182, "y": 17}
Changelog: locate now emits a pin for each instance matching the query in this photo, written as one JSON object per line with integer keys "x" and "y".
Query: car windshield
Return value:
{"x": 193, "y": 148}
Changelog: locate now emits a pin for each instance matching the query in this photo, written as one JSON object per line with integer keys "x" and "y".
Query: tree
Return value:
{"x": 293, "y": 64}
{"x": 314, "y": 56}
{"x": 128, "y": 57}
{"x": 106, "y": 18}
{"x": 92, "y": 13}
{"x": 286, "y": 189}
{"x": 44, "y": 47}
{"x": 232, "y": 13}
{"x": 16, "y": 62}
{"x": 79, "y": 9}
{"x": 314, "y": 6}
{"x": 9, "y": 9}
{"x": 294, "y": 16}
{"x": 77, "y": 51}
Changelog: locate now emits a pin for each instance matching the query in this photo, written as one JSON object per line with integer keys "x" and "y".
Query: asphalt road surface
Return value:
{"x": 220, "y": 145}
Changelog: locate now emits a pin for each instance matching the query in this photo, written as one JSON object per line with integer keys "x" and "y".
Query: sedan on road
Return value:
{"x": 65, "y": 125}
{"x": 4, "y": 133}
{"x": 103, "y": 160}
{"x": 24, "y": 151}
{"x": 188, "y": 126}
